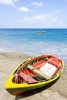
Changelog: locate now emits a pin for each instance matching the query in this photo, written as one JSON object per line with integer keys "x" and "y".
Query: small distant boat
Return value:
{"x": 40, "y": 32}
{"x": 34, "y": 73}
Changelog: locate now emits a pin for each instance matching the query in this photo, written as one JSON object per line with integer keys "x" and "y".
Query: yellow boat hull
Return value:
{"x": 16, "y": 89}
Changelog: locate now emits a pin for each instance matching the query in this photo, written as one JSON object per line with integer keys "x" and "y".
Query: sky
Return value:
{"x": 33, "y": 13}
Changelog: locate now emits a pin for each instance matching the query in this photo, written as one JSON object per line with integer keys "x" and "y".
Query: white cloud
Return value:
{"x": 37, "y": 3}
{"x": 43, "y": 21}
{"x": 23, "y": 9}
{"x": 8, "y": 2}
{"x": 49, "y": 20}
{"x": 55, "y": 19}
{"x": 44, "y": 18}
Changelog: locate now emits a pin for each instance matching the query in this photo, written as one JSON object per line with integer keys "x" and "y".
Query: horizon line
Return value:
{"x": 33, "y": 28}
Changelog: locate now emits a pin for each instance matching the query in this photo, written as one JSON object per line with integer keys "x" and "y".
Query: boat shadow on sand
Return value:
{"x": 35, "y": 91}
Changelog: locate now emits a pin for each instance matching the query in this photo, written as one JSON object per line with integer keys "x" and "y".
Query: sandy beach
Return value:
{"x": 56, "y": 91}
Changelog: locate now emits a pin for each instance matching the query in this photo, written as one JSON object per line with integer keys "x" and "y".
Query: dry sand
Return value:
{"x": 56, "y": 91}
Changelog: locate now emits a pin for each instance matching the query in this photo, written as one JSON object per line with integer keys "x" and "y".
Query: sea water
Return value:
{"x": 35, "y": 41}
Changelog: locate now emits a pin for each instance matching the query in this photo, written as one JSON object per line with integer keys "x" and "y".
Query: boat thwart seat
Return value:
{"x": 27, "y": 78}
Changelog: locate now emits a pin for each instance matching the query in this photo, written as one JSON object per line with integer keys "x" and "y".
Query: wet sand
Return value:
{"x": 56, "y": 90}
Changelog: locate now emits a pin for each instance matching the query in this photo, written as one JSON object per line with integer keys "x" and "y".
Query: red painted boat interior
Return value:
{"x": 37, "y": 62}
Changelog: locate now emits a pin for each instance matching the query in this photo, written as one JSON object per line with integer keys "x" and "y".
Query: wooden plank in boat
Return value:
{"x": 27, "y": 78}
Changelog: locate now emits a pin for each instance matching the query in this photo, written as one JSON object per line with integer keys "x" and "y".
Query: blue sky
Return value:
{"x": 33, "y": 13}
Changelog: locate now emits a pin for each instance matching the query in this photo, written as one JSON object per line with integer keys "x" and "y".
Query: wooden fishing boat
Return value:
{"x": 34, "y": 73}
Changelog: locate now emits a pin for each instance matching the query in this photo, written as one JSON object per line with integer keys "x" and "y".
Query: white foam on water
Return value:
{"x": 37, "y": 48}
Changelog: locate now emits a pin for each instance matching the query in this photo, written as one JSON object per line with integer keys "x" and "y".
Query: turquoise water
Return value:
{"x": 52, "y": 41}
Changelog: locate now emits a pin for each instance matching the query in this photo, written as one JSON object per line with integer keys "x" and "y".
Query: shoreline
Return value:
{"x": 9, "y": 61}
